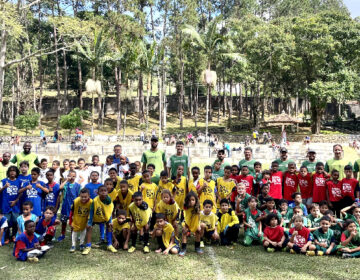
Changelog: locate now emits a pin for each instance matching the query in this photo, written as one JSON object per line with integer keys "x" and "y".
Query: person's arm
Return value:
{"x": 260, "y": 229}
{"x": 172, "y": 242}
{"x": 37, "y": 162}
{"x": 168, "y": 165}
{"x": 63, "y": 184}
{"x": 143, "y": 160}
{"x": 27, "y": 187}
{"x": 348, "y": 240}
{"x": 4, "y": 186}
{"x": 41, "y": 187}
{"x": 164, "y": 160}
{"x": 14, "y": 159}
{"x": 91, "y": 215}
{"x": 282, "y": 240}
{"x": 347, "y": 208}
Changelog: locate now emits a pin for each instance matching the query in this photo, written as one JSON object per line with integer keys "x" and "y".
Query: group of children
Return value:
{"x": 131, "y": 206}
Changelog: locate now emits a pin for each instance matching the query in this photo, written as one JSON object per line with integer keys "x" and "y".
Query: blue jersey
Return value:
{"x": 23, "y": 241}
{"x": 10, "y": 194}
{"x": 24, "y": 179}
{"x": 93, "y": 188}
{"x": 41, "y": 226}
{"x": 51, "y": 197}
{"x": 71, "y": 191}
{"x": 35, "y": 196}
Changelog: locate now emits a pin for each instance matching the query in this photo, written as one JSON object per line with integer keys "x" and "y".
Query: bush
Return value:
{"x": 28, "y": 121}
{"x": 74, "y": 119}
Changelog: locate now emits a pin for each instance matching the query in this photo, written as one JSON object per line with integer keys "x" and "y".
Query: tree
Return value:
{"x": 74, "y": 119}
{"x": 28, "y": 121}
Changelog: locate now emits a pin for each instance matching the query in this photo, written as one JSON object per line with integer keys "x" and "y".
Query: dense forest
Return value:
{"x": 305, "y": 49}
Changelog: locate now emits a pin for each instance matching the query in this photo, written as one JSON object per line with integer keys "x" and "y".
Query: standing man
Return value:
{"x": 154, "y": 156}
{"x": 248, "y": 161}
{"x": 283, "y": 161}
{"x": 178, "y": 159}
{"x": 221, "y": 157}
{"x": 311, "y": 162}
{"x": 4, "y": 165}
{"x": 26, "y": 155}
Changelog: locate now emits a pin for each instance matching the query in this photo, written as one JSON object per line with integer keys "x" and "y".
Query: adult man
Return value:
{"x": 338, "y": 162}
{"x": 248, "y": 161}
{"x": 4, "y": 165}
{"x": 154, "y": 156}
{"x": 283, "y": 161}
{"x": 311, "y": 162}
{"x": 118, "y": 154}
{"x": 221, "y": 158}
{"x": 26, "y": 155}
{"x": 178, "y": 159}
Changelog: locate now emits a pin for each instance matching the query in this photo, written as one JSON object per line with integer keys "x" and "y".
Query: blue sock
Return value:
{"x": 88, "y": 244}
{"x": 109, "y": 237}
{"x": 102, "y": 231}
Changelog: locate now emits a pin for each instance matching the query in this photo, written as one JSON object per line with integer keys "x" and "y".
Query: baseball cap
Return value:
{"x": 154, "y": 138}
{"x": 283, "y": 149}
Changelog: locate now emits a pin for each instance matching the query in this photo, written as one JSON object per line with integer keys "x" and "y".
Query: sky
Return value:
{"x": 353, "y": 6}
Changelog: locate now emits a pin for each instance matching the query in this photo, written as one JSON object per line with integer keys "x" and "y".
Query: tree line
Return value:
{"x": 267, "y": 49}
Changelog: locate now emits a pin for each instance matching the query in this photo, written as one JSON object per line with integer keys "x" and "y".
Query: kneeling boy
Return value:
{"x": 228, "y": 224}
{"x": 165, "y": 235}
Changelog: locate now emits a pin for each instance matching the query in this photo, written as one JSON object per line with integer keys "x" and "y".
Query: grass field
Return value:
{"x": 237, "y": 262}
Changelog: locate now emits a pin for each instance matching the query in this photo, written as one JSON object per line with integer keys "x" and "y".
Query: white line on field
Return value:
{"x": 218, "y": 271}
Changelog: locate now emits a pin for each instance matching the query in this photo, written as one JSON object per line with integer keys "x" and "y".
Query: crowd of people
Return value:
{"x": 310, "y": 209}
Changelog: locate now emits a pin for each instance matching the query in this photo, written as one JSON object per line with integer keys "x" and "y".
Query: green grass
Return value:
{"x": 238, "y": 262}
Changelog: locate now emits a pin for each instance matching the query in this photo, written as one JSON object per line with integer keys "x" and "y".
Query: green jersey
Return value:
{"x": 283, "y": 165}
{"x": 357, "y": 168}
{"x": 250, "y": 219}
{"x": 274, "y": 211}
{"x": 174, "y": 161}
{"x": 337, "y": 229}
{"x": 156, "y": 158}
{"x": 31, "y": 158}
{"x": 324, "y": 237}
{"x": 355, "y": 241}
{"x": 220, "y": 172}
{"x": 315, "y": 222}
{"x": 243, "y": 202}
{"x": 249, "y": 164}
{"x": 338, "y": 164}
{"x": 351, "y": 217}
{"x": 311, "y": 166}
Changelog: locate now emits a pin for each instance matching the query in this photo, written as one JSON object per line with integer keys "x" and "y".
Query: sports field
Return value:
{"x": 236, "y": 262}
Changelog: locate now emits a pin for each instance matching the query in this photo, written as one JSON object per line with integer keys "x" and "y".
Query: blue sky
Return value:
{"x": 353, "y": 6}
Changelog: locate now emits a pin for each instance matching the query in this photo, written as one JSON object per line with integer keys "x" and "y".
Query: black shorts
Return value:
{"x": 209, "y": 234}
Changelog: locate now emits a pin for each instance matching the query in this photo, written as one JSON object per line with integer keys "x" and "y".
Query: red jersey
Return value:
{"x": 276, "y": 185}
{"x": 248, "y": 181}
{"x": 274, "y": 234}
{"x": 319, "y": 187}
{"x": 348, "y": 187}
{"x": 290, "y": 185}
{"x": 302, "y": 237}
{"x": 305, "y": 185}
{"x": 334, "y": 190}
{"x": 235, "y": 177}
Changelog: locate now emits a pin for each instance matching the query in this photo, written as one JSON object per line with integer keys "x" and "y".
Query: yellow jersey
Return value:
{"x": 209, "y": 220}
{"x": 224, "y": 188}
{"x": 169, "y": 210}
{"x": 125, "y": 201}
{"x": 192, "y": 185}
{"x": 167, "y": 233}
{"x": 149, "y": 193}
{"x": 208, "y": 192}
{"x": 180, "y": 192}
{"x": 80, "y": 214}
{"x": 113, "y": 195}
{"x": 134, "y": 183}
{"x": 117, "y": 228}
{"x": 226, "y": 219}
{"x": 141, "y": 217}
{"x": 192, "y": 220}
{"x": 102, "y": 211}
{"x": 161, "y": 186}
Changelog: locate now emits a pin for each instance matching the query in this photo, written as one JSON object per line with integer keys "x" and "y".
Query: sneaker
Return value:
{"x": 284, "y": 249}
{"x": 61, "y": 238}
{"x": 111, "y": 249}
{"x": 202, "y": 245}
{"x": 199, "y": 251}
{"x": 82, "y": 247}
{"x": 346, "y": 255}
{"x": 33, "y": 259}
{"x": 310, "y": 253}
{"x": 146, "y": 249}
{"x": 320, "y": 253}
{"x": 86, "y": 251}
{"x": 182, "y": 253}
{"x": 72, "y": 249}
{"x": 270, "y": 250}
{"x": 132, "y": 249}
{"x": 292, "y": 251}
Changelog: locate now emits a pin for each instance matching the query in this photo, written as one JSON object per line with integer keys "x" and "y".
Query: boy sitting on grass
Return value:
{"x": 228, "y": 223}
{"x": 165, "y": 235}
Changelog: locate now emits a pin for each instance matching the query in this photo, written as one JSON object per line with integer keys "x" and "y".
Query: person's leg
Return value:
{"x": 232, "y": 233}
{"x": 184, "y": 241}
{"x": 197, "y": 242}
{"x": 126, "y": 237}
{"x": 50, "y": 233}
{"x": 88, "y": 239}
{"x": 82, "y": 238}
{"x": 146, "y": 238}
{"x": 161, "y": 246}
{"x": 73, "y": 239}
{"x": 133, "y": 237}
{"x": 109, "y": 237}
{"x": 102, "y": 232}
{"x": 64, "y": 220}
{"x": 247, "y": 240}
{"x": 14, "y": 226}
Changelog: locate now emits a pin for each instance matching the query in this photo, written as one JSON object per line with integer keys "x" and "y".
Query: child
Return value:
{"x": 71, "y": 191}
{"x": 297, "y": 201}
{"x": 166, "y": 237}
{"x": 355, "y": 216}
{"x": 191, "y": 222}
{"x": 164, "y": 183}
{"x": 333, "y": 192}
{"x": 78, "y": 218}
{"x": 95, "y": 165}
{"x": 228, "y": 223}
{"x": 206, "y": 188}
{"x": 324, "y": 206}
{"x": 336, "y": 225}
{"x": 3, "y": 227}
{"x": 350, "y": 240}
{"x": 65, "y": 170}
{"x": 305, "y": 185}
{"x": 253, "y": 229}
{"x": 9, "y": 201}
{"x": 264, "y": 193}
{"x": 134, "y": 178}
{"x": 270, "y": 209}
{"x": 225, "y": 185}
{"x": 125, "y": 197}
{"x": 274, "y": 236}
{"x": 51, "y": 198}
{"x": 241, "y": 201}
{"x": 314, "y": 217}
{"x": 324, "y": 238}
{"x": 27, "y": 245}
{"x": 154, "y": 177}
{"x": 26, "y": 215}
{"x": 83, "y": 173}
{"x": 284, "y": 211}
{"x": 123, "y": 167}
{"x": 297, "y": 211}
{"x": 43, "y": 169}
{"x": 113, "y": 175}
{"x": 208, "y": 223}
{"x": 23, "y": 176}
{"x": 56, "y": 167}
{"x": 266, "y": 178}
{"x": 138, "y": 168}
{"x": 216, "y": 171}
{"x": 300, "y": 238}
{"x": 168, "y": 206}
{"x": 109, "y": 164}
{"x": 112, "y": 192}
{"x": 349, "y": 187}
{"x": 46, "y": 226}
{"x": 180, "y": 184}
{"x": 121, "y": 230}
{"x": 195, "y": 172}
{"x": 258, "y": 177}
{"x": 290, "y": 180}
{"x": 140, "y": 214}
{"x": 148, "y": 189}
{"x": 319, "y": 180}
{"x": 246, "y": 179}
{"x": 34, "y": 190}
{"x": 100, "y": 212}
{"x": 276, "y": 182}
{"x": 235, "y": 171}
{"x": 94, "y": 184}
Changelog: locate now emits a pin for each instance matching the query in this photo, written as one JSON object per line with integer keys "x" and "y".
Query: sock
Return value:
{"x": 133, "y": 237}
{"x": 183, "y": 246}
{"x": 197, "y": 244}
{"x": 297, "y": 249}
{"x": 63, "y": 228}
{"x": 109, "y": 237}
{"x": 88, "y": 244}
{"x": 159, "y": 241}
{"x": 146, "y": 238}
{"x": 102, "y": 231}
